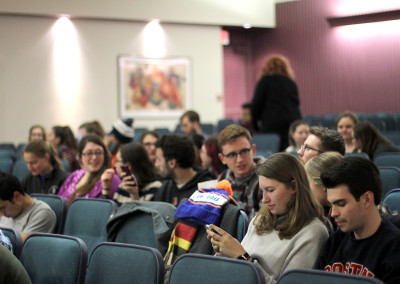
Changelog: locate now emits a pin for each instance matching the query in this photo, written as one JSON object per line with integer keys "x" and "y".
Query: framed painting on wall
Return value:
{"x": 153, "y": 88}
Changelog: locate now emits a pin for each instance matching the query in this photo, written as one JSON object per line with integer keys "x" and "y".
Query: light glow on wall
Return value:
{"x": 356, "y": 7}
{"x": 370, "y": 29}
{"x": 154, "y": 40}
{"x": 66, "y": 59}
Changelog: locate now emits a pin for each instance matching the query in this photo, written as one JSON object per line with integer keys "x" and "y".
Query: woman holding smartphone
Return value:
{"x": 288, "y": 231}
{"x": 137, "y": 172}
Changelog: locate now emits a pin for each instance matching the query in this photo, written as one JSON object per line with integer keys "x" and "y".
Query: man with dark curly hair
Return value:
{"x": 174, "y": 160}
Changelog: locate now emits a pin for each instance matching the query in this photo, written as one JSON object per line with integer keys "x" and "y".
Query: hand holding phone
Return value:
{"x": 208, "y": 227}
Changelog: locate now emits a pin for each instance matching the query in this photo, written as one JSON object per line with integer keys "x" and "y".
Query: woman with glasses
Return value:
{"x": 288, "y": 231}
{"x": 137, "y": 173}
{"x": 95, "y": 159}
{"x": 37, "y": 132}
{"x": 148, "y": 140}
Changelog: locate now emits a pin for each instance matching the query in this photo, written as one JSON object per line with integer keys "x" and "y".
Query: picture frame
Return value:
{"x": 153, "y": 87}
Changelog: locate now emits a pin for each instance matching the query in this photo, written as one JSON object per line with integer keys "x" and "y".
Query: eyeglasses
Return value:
{"x": 305, "y": 147}
{"x": 90, "y": 154}
{"x": 148, "y": 144}
{"x": 244, "y": 153}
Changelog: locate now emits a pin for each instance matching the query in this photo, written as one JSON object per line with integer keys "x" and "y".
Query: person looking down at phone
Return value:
{"x": 137, "y": 173}
{"x": 288, "y": 232}
{"x": 95, "y": 159}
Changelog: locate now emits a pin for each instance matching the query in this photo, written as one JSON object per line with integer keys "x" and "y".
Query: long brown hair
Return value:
{"x": 287, "y": 169}
{"x": 94, "y": 177}
{"x": 40, "y": 148}
{"x": 370, "y": 137}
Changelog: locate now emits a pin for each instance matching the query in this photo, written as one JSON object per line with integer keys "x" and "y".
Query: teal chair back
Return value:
{"x": 87, "y": 219}
{"x": 51, "y": 258}
{"x": 300, "y": 276}
{"x": 390, "y": 177}
{"x": 20, "y": 169}
{"x": 138, "y": 229}
{"x": 15, "y": 238}
{"x": 6, "y": 165}
{"x": 243, "y": 224}
{"x": 198, "y": 268}
{"x": 58, "y": 204}
{"x": 392, "y": 200}
{"x": 125, "y": 264}
{"x": 388, "y": 160}
{"x": 267, "y": 142}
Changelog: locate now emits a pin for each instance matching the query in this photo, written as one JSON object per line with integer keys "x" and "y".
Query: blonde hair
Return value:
{"x": 40, "y": 148}
{"x": 277, "y": 64}
{"x": 287, "y": 169}
{"x": 319, "y": 164}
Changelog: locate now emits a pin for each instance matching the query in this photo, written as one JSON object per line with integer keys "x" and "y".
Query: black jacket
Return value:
{"x": 51, "y": 184}
{"x": 169, "y": 192}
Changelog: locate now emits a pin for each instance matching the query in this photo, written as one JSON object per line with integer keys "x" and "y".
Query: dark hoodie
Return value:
{"x": 169, "y": 192}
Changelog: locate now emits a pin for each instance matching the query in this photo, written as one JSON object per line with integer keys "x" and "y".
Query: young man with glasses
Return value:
{"x": 321, "y": 139}
{"x": 237, "y": 153}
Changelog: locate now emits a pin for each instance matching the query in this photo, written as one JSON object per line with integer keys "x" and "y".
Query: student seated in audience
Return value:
{"x": 366, "y": 244}
{"x": 237, "y": 152}
{"x": 288, "y": 231}
{"x": 90, "y": 127}
{"x": 321, "y": 139}
{"x": 21, "y": 212}
{"x": 148, "y": 140}
{"x": 12, "y": 270}
{"x": 37, "y": 132}
{"x": 298, "y": 132}
{"x": 314, "y": 168}
{"x": 144, "y": 183}
{"x": 62, "y": 138}
{"x": 209, "y": 156}
{"x": 371, "y": 141}
{"x": 95, "y": 159}
{"x": 245, "y": 120}
{"x": 190, "y": 122}
{"x": 122, "y": 132}
{"x": 46, "y": 172}
{"x": 175, "y": 158}
{"x": 197, "y": 141}
{"x": 345, "y": 126}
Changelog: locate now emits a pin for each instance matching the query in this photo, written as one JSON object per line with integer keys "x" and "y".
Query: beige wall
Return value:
{"x": 29, "y": 92}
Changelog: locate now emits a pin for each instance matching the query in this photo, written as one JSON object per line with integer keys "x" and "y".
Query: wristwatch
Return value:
{"x": 244, "y": 256}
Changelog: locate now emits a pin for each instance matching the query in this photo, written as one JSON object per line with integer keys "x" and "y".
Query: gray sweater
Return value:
{"x": 275, "y": 256}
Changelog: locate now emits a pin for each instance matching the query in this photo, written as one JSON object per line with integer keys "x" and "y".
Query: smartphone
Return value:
{"x": 211, "y": 229}
{"x": 127, "y": 172}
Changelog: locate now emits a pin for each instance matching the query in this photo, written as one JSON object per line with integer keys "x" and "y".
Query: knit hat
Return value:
{"x": 123, "y": 130}
{"x": 204, "y": 206}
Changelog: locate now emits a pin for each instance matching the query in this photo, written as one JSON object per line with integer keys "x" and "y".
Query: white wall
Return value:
{"x": 29, "y": 90}
{"x": 258, "y": 13}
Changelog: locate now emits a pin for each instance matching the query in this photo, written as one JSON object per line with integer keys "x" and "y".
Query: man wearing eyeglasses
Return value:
{"x": 237, "y": 153}
{"x": 321, "y": 139}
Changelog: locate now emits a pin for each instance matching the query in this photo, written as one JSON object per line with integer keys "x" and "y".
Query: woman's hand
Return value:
{"x": 224, "y": 244}
{"x": 130, "y": 186}
{"x": 107, "y": 177}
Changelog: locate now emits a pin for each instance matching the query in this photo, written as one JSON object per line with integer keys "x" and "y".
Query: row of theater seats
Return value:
{"x": 51, "y": 258}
